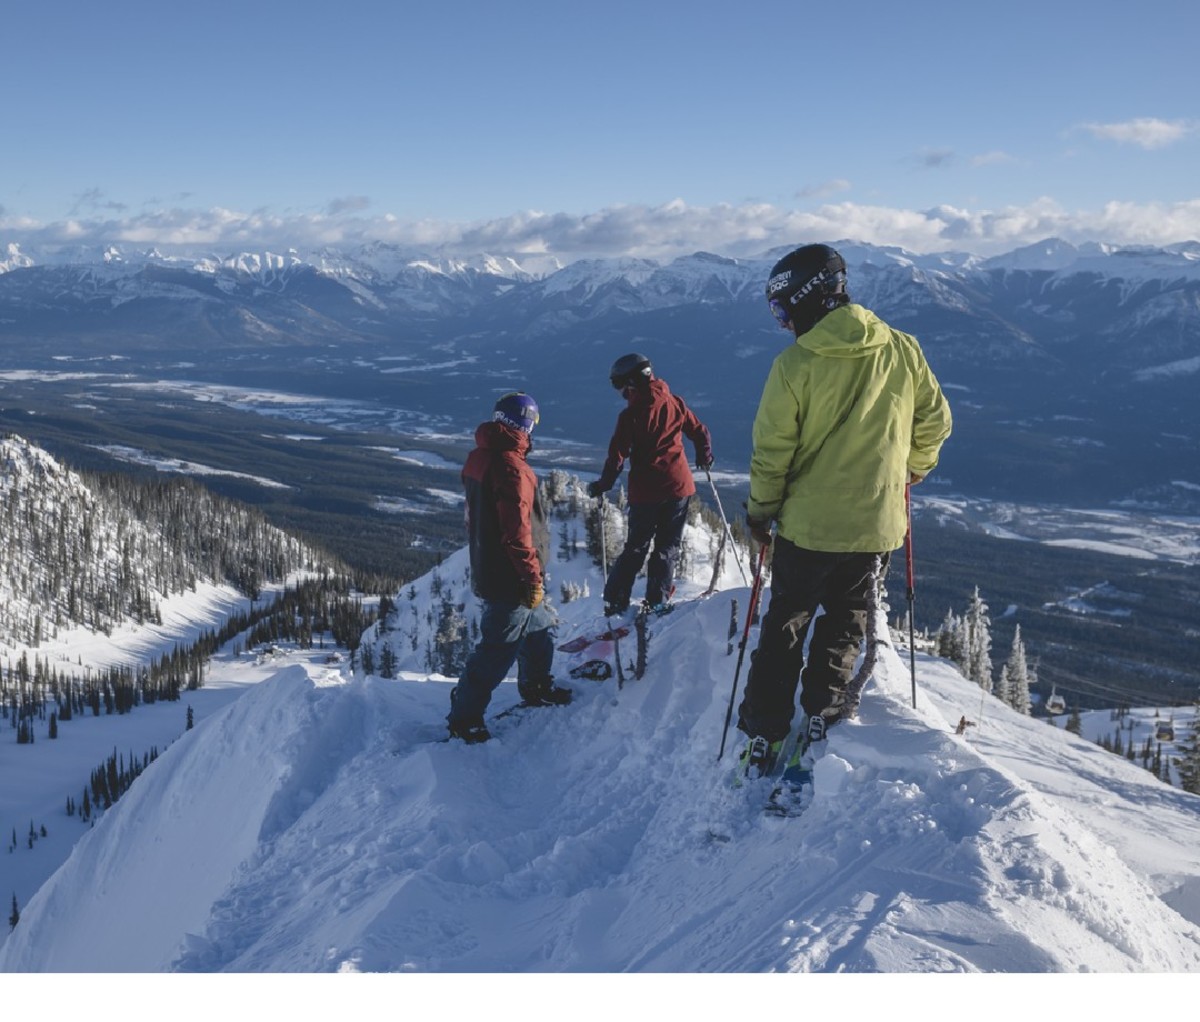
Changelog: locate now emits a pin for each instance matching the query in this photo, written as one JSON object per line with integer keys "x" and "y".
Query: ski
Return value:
{"x": 582, "y": 642}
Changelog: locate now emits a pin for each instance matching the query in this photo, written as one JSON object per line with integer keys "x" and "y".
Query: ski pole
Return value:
{"x": 603, "y": 544}
{"x": 755, "y": 590}
{"x": 908, "y": 561}
{"x": 724, "y": 521}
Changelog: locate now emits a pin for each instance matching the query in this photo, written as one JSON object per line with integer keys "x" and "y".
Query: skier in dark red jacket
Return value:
{"x": 509, "y": 545}
{"x": 649, "y": 434}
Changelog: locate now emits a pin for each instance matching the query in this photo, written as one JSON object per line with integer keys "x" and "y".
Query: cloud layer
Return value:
{"x": 660, "y": 232}
{"x": 1146, "y": 132}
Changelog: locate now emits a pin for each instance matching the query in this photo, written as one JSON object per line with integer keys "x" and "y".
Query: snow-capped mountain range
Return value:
{"x": 1071, "y": 368}
{"x": 388, "y": 283}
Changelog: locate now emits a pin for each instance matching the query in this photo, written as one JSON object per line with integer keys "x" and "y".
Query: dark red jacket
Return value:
{"x": 506, "y": 525}
{"x": 649, "y": 433}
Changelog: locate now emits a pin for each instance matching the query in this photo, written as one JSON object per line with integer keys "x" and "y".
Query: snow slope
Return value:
{"x": 317, "y": 824}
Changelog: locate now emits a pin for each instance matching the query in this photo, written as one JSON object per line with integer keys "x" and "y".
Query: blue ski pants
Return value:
{"x": 509, "y": 633}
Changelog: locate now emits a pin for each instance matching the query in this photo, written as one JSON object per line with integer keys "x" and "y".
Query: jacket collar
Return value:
{"x": 496, "y": 436}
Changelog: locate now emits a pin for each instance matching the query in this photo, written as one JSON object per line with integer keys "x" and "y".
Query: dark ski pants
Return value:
{"x": 801, "y": 581}
{"x": 509, "y": 633}
{"x": 659, "y": 523}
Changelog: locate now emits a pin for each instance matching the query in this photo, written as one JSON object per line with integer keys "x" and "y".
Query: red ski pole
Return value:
{"x": 755, "y": 591}
{"x": 908, "y": 561}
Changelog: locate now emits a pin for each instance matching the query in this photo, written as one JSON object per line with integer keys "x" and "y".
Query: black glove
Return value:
{"x": 704, "y": 464}
{"x": 594, "y": 489}
{"x": 760, "y": 530}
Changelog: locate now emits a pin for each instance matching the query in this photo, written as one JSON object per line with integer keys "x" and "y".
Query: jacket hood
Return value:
{"x": 496, "y": 436}
{"x": 850, "y": 331}
{"x": 655, "y": 393}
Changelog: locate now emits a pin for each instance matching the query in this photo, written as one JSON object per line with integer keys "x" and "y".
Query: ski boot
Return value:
{"x": 758, "y": 758}
{"x": 817, "y": 730}
{"x": 548, "y": 694}
{"x": 470, "y": 734}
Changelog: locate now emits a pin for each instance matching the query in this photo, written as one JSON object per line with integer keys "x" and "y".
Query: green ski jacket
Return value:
{"x": 847, "y": 413}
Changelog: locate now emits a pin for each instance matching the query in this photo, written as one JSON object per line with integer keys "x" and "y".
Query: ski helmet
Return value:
{"x": 517, "y": 409}
{"x": 806, "y": 284}
{"x": 630, "y": 370}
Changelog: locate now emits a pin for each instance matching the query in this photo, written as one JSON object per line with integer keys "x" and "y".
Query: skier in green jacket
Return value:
{"x": 850, "y": 415}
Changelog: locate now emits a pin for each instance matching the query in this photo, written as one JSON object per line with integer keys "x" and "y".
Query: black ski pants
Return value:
{"x": 801, "y": 581}
{"x": 661, "y": 524}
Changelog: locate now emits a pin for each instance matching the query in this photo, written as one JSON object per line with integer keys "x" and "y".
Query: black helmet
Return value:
{"x": 630, "y": 370}
{"x": 806, "y": 284}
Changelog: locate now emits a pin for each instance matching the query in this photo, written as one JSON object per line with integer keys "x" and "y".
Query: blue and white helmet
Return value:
{"x": 517, "y": 409}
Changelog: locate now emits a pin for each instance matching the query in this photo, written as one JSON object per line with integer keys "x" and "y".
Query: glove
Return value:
{"x": 760, "y": 530}
{"x": 704, "y": 464}
{"x": 594, "y": 489}
{"x": 532, "y": 594}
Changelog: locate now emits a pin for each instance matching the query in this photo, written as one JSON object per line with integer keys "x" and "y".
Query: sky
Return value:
{"x": 313, "y": 823}
{"x": 635, "y": 129}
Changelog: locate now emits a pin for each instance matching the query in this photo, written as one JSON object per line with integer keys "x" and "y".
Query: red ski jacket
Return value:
{"x": 649, "y": 433}
{"x": 506, "y": 524}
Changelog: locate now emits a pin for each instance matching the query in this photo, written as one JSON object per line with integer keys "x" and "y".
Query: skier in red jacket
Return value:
{"x": 649, "y": 434}
{"x": 509, "y": 545}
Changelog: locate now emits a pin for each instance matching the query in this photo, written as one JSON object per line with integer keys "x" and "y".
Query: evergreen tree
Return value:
{"x": 1188, "y": 763}
{"x": 387, "y": 661}
{"x": 1075, "y": 722}
{"x": 14, "y": 916}
{"x": 978, "y": 642}
{"x": 1003, "y": 688}
{"x": 449, "y": 640}
{"x": 1017, "y": 670}
{"x": 948, "y": 640}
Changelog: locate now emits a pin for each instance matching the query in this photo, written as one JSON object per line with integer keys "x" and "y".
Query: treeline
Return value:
{"x": 47, "y": 694}
{"x": 41, "y": 692}
{"x": 109, "y": 781}
{"x": 98, "y": 550}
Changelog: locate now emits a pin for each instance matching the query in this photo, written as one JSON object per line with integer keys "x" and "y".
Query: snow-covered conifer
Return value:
{"x": 1002, "y": 689}
{"x": 1017, "y": 668}
{"x": 1188, "y": 764}
{"x": 978, "y": 638}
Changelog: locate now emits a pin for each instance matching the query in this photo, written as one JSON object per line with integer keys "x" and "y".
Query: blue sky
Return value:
{"x": 619, "y": 128}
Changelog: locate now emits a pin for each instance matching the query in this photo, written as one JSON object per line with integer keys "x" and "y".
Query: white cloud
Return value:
{"x": 1147, "y": 132}
{"x": 665, "y": 231}
{"x": 824, "y": 189}
{"x": 990, "y": 159}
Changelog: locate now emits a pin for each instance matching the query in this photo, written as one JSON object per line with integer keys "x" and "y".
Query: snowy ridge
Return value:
{"x": 318, "y": 824}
